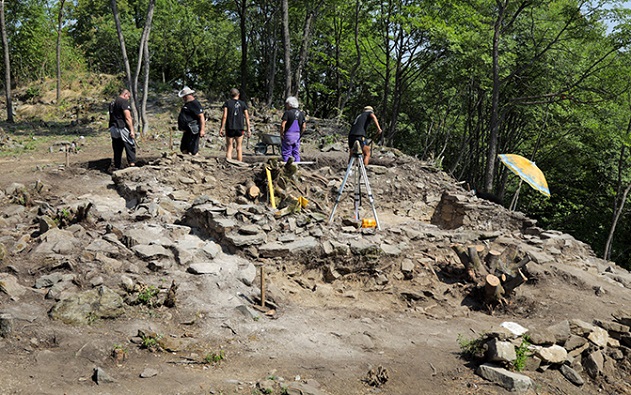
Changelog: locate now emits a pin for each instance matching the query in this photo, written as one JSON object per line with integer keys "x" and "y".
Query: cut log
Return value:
{"x": 492, "y": 260}
{"x": 461, "y": 251}
{"x": 516, "y": 266}
{"x": 513, "y": 282}
{"x": 481, "y": 249}
{"x": 493, "y": 290}
{"x": 474, "y": 257}
{"x": 251, "y": 190}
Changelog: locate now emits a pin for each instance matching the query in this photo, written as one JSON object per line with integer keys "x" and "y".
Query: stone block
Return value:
{"x": 508, "y": 380}
{"x": 500, "y": 351}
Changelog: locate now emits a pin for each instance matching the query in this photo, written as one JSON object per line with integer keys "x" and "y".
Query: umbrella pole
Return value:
{"x": 513, "y": 203}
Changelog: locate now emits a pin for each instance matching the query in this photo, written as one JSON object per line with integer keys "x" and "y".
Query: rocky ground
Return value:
{"x": 149, "y": 279}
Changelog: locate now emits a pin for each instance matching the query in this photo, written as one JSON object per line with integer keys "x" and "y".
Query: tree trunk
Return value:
{"x": 387, "y": 52}
{"x": 59, "y": 20}
{"x": 145, "y": 93}
{"x": 143, "y": 53}
{"x": 607, "y": 254}
{"x": 130, "y": 80}
{"x": 7, "y": 64}
{"x": 287, "y": 47}
{"x": 353, "y": 73}
{"x": 242, "y": 9}
{"x": 489, "y": 172}
{"x": 271, "y": 77}
{"x": 304, "y": 47}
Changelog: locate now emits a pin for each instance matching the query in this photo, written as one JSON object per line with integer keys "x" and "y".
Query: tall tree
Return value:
{"x": 312, "y": 11}
{"x": 59, "y": 26}
{"x": 286, "y": 46}
{"x": 143, "y": 53}
{"x": 7, "y": 64}
{"x": 123, "y": 48}
{"x": 242, "y": 11}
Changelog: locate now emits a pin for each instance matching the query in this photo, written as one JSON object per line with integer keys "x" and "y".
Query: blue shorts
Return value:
{"x": 352, "y": 138}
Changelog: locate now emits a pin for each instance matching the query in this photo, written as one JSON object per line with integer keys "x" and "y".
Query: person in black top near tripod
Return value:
{"x": 358, "y": 132}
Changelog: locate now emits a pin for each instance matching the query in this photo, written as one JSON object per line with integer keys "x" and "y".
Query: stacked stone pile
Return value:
{"x": 600, "y": 351}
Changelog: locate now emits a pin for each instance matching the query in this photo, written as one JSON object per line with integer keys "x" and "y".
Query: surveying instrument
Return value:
{"x": 357, "y": 156}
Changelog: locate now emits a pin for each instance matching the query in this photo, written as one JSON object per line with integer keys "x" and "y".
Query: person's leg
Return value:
{"x": 366, "y": 151}
{"x": 130, "y": 153}
{"x": 117, "y": 147}
{"x": 285, "y": 150}
{"x": 184, "y": 143}
{"x": 239, "y": 148}
{"x": 295, "y": 151}
{"x": 229, "y": 146}
{"x": 194, "y": 145}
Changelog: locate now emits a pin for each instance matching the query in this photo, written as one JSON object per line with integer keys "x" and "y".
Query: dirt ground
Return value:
{"x": 328, "y": 336}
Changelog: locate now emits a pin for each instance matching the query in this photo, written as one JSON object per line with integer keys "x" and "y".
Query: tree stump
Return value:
{"x": 493, "y": 290}
{"x": 474, "y": 257}
{"x": 493, "y": 260}
{"x": 251, "y": 190}
{"x": 461, "y": 251}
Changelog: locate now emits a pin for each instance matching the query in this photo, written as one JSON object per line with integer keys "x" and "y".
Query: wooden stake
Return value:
{"x": 67, "y": 155}
{"x": 262, "y": 275}
{"x": 6, "y": 324}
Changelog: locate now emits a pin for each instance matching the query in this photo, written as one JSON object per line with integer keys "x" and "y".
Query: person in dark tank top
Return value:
{"x": 358, "y": 132}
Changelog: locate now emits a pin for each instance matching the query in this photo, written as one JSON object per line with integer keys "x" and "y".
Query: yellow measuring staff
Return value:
{"x": 270, "y": 187}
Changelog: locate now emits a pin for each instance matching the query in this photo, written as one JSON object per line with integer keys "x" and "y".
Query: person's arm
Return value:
{"x": 282, "y": 128}
{"x": 247, "y": 122}
{"x": 374, "y": 118}
{"x": 130, "y": 123}
{"x": 202, "y": 124}
{"x": 223, "y": 121}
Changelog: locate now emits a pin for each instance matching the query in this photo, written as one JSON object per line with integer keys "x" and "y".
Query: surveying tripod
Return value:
{"x": 357, "y": 156}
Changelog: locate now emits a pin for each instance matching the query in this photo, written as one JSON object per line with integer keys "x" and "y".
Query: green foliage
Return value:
{"x": 150, "y": 342}
{"x": 522, "y": 354}
{"x": 214, "y": 357}
{"x": 113, "y": 88}
{"x": 148, "y": 295}
{"x": 472, "y": 348}
{"x": 32, "y": 92}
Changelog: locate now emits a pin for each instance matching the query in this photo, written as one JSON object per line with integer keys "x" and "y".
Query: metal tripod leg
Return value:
{"x": 371, "y": 199}
{"x": 339, "y": 193}
{"x": 358, "y": 189}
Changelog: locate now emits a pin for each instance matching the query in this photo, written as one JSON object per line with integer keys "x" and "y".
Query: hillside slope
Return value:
{"x": 148, "y": 279}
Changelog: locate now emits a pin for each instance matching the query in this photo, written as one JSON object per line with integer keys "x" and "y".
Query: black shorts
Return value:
{"x": 234, "y": 133}
{"x": 352, "y": 138}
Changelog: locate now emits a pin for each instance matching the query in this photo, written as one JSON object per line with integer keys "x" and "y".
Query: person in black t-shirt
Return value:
{"x": 358, "y": 132}
{"x": 235, "y": 112}
{"x": 191, "y": 121}
{"x": 122, "y": 129}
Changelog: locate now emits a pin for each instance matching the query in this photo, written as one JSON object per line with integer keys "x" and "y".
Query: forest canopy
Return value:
{"x": 452, "y": 82}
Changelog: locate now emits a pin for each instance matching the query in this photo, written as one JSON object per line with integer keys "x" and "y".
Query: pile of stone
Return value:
{"x": 577, "y": 349}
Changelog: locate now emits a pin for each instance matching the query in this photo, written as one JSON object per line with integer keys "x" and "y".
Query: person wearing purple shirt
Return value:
{"x": 291, "y": 129}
